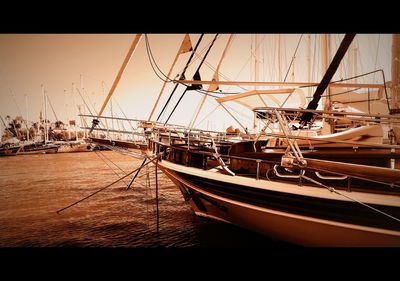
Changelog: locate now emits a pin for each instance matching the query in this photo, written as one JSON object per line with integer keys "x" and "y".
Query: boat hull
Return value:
{"x": 279, "y": 223}
{"x": 118, "y": 143}
{"x": 38, "y": 151}
{"x": 74, "y": 147}
{"x": 9, "y": 151}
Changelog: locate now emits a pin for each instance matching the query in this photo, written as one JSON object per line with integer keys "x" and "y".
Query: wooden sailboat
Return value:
{"x": 293, "y": 183}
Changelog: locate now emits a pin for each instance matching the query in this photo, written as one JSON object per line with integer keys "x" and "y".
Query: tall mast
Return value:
{"x": 279, "y": 59}
{"x": 256, "y": 59}
{"x": 46, "y": 136}
{"x": 121, "y": 71}
{"x": 26, "y": 118}
{"x": 333, "y": 66}
{"x": 74, "y": 109}
{"x": 326, "y": 50}
{"x": 79, "y": 107}
{"x": 74, "y": 106}
{"x": 395, "y": 91}
{"x": 117, "y": 78}
{"x": 355, "y": 71}
{"x": 309, "y": 68}
{"x": 256, "y": 53}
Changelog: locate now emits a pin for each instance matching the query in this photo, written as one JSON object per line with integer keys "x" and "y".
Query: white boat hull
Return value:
{"x": 286, "y": 226}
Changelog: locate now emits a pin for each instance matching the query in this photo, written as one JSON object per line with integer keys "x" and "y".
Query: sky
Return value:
{"x": 28, "y": 61}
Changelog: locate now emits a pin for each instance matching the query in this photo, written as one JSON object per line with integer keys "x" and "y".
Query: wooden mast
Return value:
{"x": 325, "y": 64}
{"x": 257, "y": 56}
{"x": 395, "y": 90}
{"x": 326, "y": 50}
{"x": 121, "y": 71}
{"x": 279, "y": 59}
{"x": 268, "y": 83}
{"x": 309, "y": 68}
{"x": 118, "y": 77}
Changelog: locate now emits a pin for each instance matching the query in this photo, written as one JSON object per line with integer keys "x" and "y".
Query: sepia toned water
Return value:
{"x": 34, "y": 187}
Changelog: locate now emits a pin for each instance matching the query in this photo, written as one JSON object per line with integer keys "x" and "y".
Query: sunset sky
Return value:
{"x": 57, "y": 60}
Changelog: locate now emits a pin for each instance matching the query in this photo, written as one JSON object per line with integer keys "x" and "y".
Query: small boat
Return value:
{"x": 37, "y": 148}
{"x": 73, "y": 146}
{"x": 130, "y": 145}
{"x": 9, "y": 150}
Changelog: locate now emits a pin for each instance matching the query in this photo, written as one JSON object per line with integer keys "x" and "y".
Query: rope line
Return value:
{"x": 182, "y": 75}
{"x": 105, "y": 187}
{"x": 331, "y": 189}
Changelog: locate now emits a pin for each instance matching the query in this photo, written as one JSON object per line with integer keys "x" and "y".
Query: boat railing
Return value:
{"x": 192, "y": 142}
{"x": 209, "y": 161}
{"x": 190, "y": 146}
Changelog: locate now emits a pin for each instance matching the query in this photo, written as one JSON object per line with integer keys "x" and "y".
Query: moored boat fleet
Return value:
{"x": 35, "y": 141}
{"x": 316, "y": 173}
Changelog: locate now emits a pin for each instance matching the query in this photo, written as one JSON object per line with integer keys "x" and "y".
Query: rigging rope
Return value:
{"x": 107, "y": 186}
{"x": 182, "y": 75}
{"x": 294, "y": 55}
{"x": 112, "y": 162}
{"x": 111, "y": 167}
{"x": 152, "y": 60}
{"x": 124, "y": 151}
{"x": 248, "y": 60}
{"x": 376, "y": 56}
{"x": 201, "y": 91}
{"x": 196, "y": 75}
{"x": 198, "y": 54}
{"x": 90, "y": 101}
{"x": 99, "y": 120}
{"x": 209, "y": 114}
{"x": 127, "y": 119}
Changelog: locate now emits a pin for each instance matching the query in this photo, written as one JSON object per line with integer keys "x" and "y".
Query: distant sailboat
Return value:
{"x": 6, "y": 150}
{"x": 39, "y": 147}
{"x": 73, "y": 146}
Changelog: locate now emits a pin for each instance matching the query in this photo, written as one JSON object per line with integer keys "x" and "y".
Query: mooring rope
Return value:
{"x": 111, "y": 167}
{"x": 105, "y": 187}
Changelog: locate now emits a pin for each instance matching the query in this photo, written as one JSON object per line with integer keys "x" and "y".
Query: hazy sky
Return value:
{"x": 58, "y": 60}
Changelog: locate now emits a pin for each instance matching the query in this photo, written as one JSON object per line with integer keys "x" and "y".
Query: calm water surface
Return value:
{"x": 34, "y": 187}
